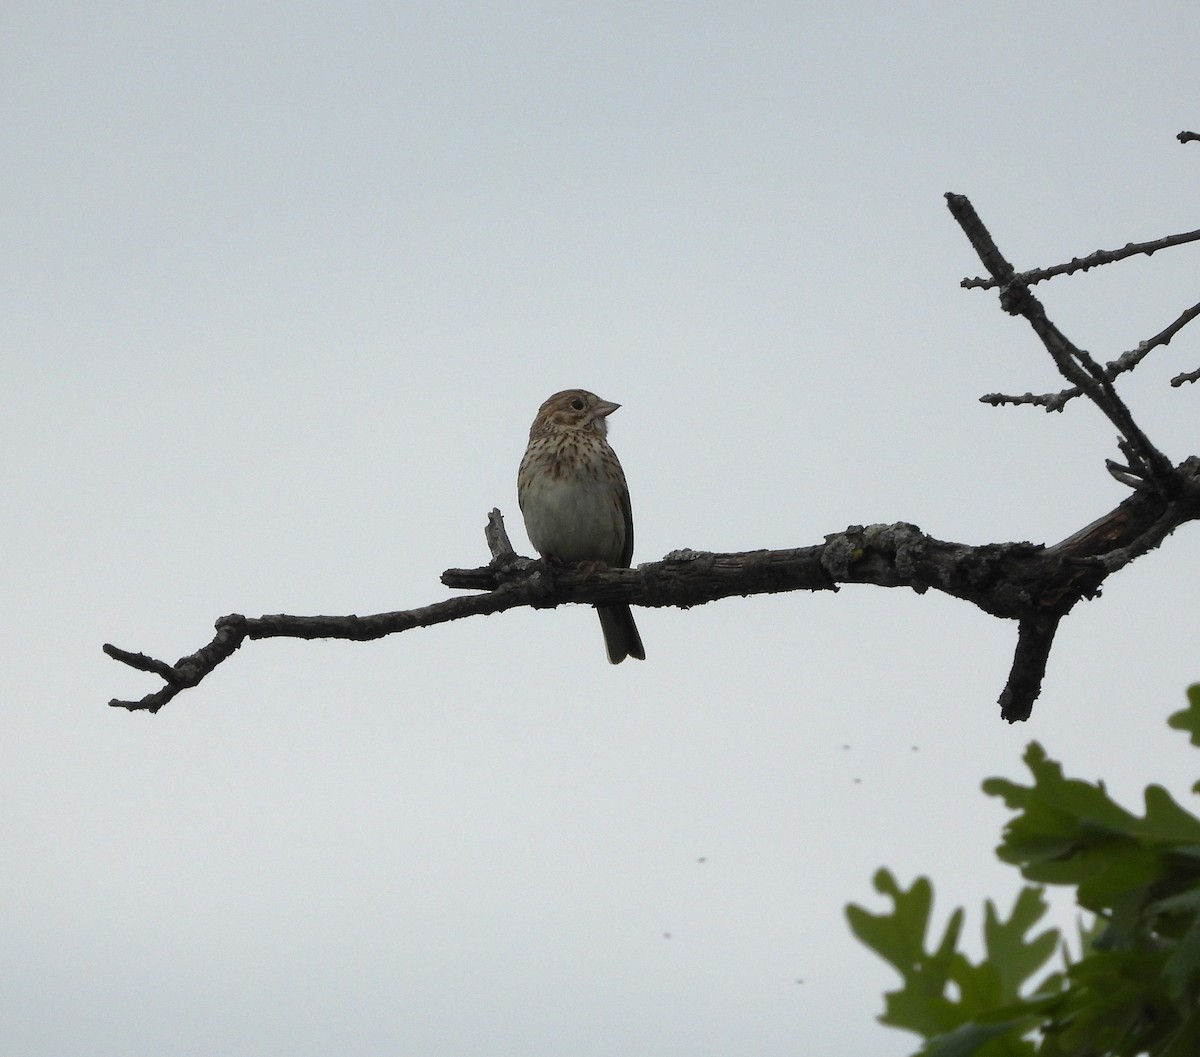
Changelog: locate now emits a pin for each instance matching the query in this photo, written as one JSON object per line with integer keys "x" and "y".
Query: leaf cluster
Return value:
{"x": 1134, "y": 987}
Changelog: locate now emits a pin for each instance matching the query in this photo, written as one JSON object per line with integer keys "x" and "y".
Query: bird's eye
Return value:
{"x": 577, "y": 403}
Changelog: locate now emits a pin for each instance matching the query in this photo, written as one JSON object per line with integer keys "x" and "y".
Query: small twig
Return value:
{"x": 1187, "y": 376}
{"x": 141, "y": 662}
{"x": 234, "y": 629}
{"x": 1083, "y": 264}
{"x": 979, "y": 237}
{"x": 1127, "y": 361}
{"x": 1050, "y": 401}
{"x": 1123, "y": 474}
{"x": 185, "y": 672}
{"x": 496, "y": 534}
{"x": 1076, "y": 365}
{"x": 1187, "y": 137}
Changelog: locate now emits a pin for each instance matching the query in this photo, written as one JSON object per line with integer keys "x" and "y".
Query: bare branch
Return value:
{"x": 1026, "y": 582}
{"x": 1124, "y": 474}
{"x": 234, "y": 629}
{"x": 1050, "y": 401}
{"x": 1030, "y": 583}
{"x": 496, "y": 535}
{"x": 979, "y": 237}
{"x": 1187, "y": 376}
{"x": 1035, "y": 636}
{"x": 1074, "y": 364}
{"x": 1083, "y": 264}
{"x": 1127, "y": 361}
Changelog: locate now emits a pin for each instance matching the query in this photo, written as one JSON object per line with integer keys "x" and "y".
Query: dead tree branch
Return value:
{"x": 1032, "y": 584}
{"x": 1003, "y": 275}
{"x": 1082, "y": 264}
{"x": 1076, "y": 365}
{"x": 1127, "y": 361}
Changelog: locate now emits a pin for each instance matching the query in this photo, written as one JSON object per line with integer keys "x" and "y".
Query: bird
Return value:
{"x": 575, "y": 501}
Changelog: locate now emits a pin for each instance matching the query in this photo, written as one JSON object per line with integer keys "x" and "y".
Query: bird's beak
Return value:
{"x": 604, "y": 408}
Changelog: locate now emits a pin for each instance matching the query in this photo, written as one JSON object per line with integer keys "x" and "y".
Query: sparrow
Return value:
{"x": 575, "y": 501}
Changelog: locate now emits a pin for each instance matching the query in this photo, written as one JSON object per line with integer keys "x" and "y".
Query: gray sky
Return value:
{"x": 283, "y": 288}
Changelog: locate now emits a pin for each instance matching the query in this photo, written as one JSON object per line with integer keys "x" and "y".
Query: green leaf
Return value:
{"x": 1181, "y": 972}
{"x": 1165, "y": 820}
{"x": 1185, "y": 1042}
{"x": 899, "y": 938}
{"x": 1070, "y": 832}
{"x": 1189, "y": 718}
{"x": 972, "y": 1038}
{"x": 1015, "y": 958}
{"x": 1134, "y": 988}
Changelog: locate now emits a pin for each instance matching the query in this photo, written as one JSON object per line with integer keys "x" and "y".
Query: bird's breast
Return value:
{"x": 572, "y": 512}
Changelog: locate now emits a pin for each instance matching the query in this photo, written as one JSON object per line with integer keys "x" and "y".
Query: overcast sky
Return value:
{"x": 283, "y": 287}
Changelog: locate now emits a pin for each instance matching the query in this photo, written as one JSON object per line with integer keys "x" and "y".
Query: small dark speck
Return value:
{"x": 845, "y": 746}
{"x": 703, "y": 858}
{"x": 666, "y": 935}
{"x": 799, "y": 981}
{"x": 857, "y": 781}
{"x": 916, "y": 748}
